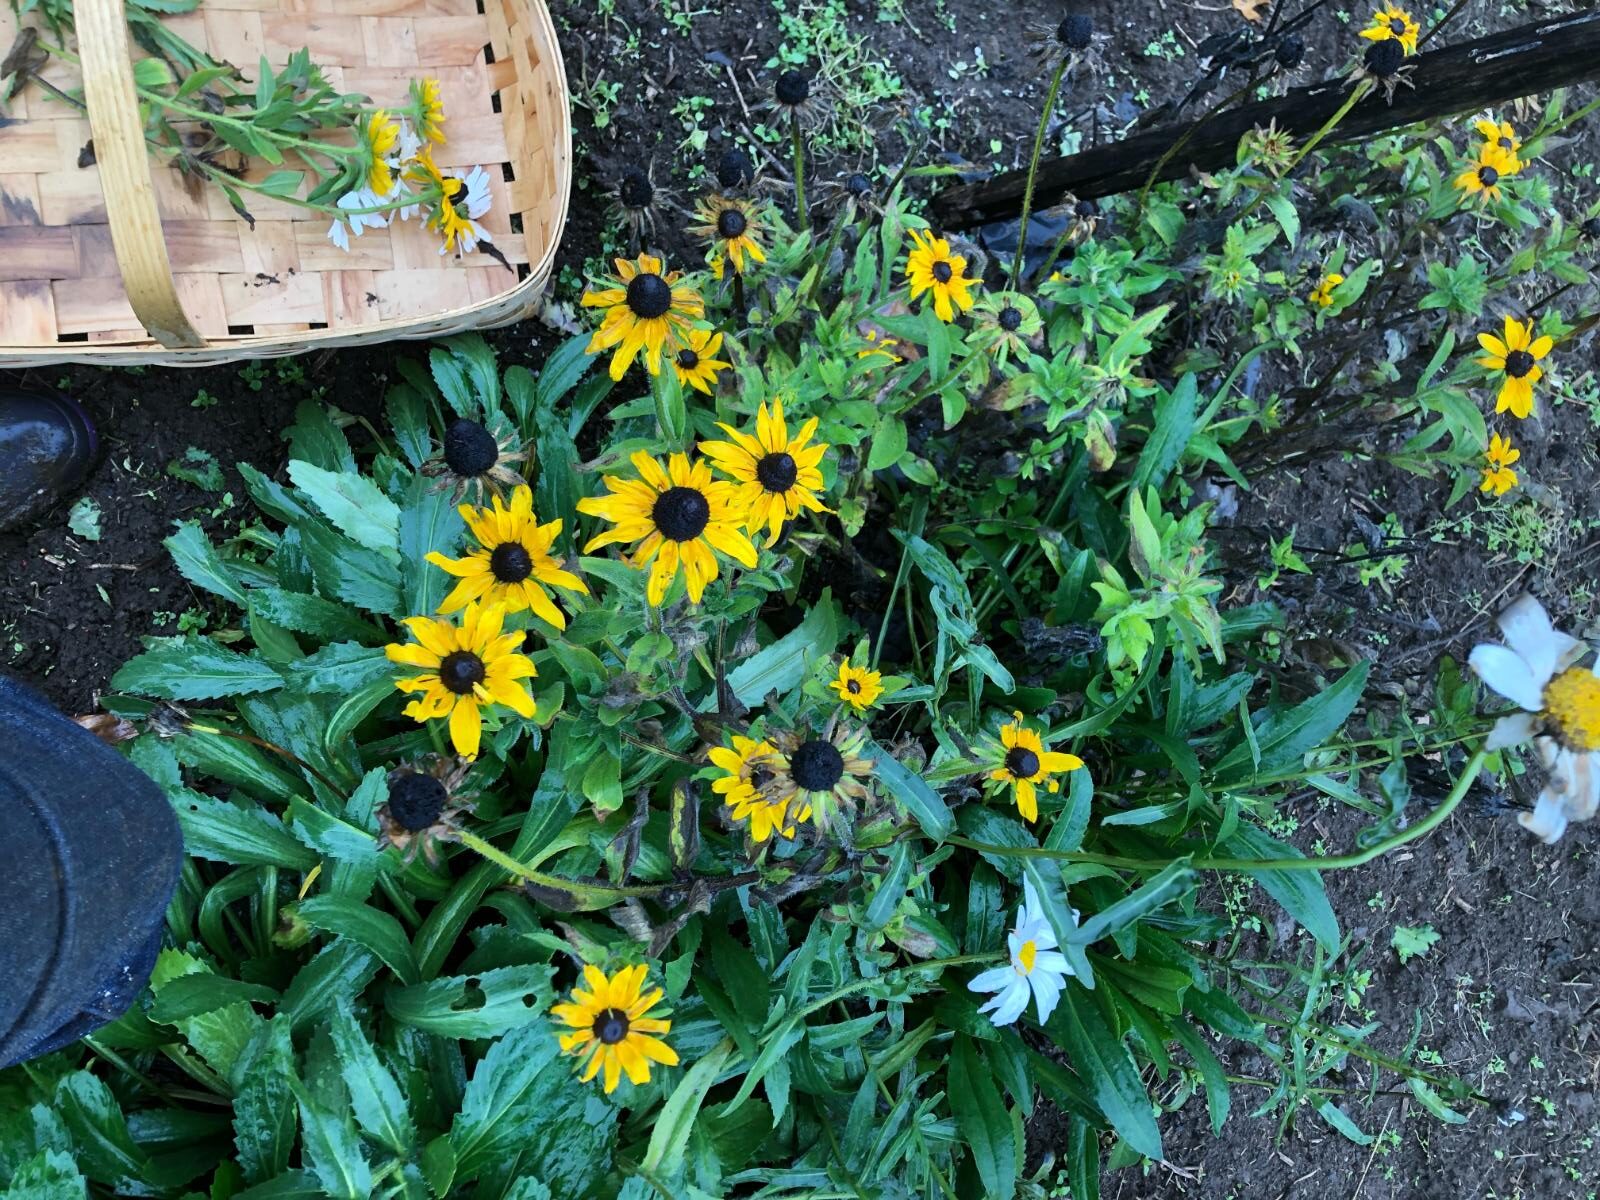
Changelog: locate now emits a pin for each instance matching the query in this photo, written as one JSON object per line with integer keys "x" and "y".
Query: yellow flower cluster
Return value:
{"x": 1497, "y": 158}
{"x": 682, "y": 519}
{"x": 476, "y": 664}
{"x": 1515, "y": 358}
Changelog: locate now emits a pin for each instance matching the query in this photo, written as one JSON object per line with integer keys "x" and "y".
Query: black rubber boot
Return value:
{"x": 89, "y": 859}
{"x": 47, "y": 446}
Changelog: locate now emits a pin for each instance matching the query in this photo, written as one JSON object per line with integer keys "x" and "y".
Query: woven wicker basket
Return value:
{"x": 121, "y": 262}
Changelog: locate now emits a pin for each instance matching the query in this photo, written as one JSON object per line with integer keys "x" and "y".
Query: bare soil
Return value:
{"x": 1509, "y": 997}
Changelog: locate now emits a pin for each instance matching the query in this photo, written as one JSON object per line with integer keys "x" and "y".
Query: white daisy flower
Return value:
{"x": 408, "y": 142}
{"x": 1036, "y": 969}
{"x": 355, "y": 222}
{"x": 477, "y": 199}
{"x": 1560, "y": 701}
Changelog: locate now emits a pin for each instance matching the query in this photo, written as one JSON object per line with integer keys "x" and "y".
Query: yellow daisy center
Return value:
{"x": 1572, "y": 701}
{"x": 1026, "y": 954}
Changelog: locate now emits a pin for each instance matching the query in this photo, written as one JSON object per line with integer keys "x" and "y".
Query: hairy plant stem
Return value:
{"x": 1033, "y": 171}
{"x": 802, "y": 215}
{"x": 1324, "y": 863}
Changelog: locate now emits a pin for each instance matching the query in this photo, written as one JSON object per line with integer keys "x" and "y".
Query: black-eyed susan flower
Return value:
{"x": 1392, "y": 23}
{"x": 1481, "y": 179}
{"x": 1322, "y": 294}
{"x": 697, "y": 365}
{"x": 645, "y": 312}
{"x": 804, "y": 97}
{"x": 1384, "y": 64}
{"x": 1516, "y": 358}
{"x": 379, "y": 137}
{"x": 858, "y": 687}
{"x": 733, "y": 227}
{"x": 932, "y": 267}
{"x": 429, "y": 108}
{"x": 424, "y": 807}
{"x": 749, "y": 768}
{"x": 466, "y": 668}
{"x": 612, "y": 1030}
{"x": 512, "y": 565}
{"x": 680, "y": 517}
{"x": 777, "y": 475}
{"x": 636, "y": 200}
{"x": 1023, "y": 764}
{"x": 826, "y": 773}
{"x": 452, "y": 203}
{"x": 1502, "y": 135}
{"x": 1498, "y": 477}
{"x": 1003, "y": 324}
{"x": 475, "y": 462}
{"x": 1560, "y": 712}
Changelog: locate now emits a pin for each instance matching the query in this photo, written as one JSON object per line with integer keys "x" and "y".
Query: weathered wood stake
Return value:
{"x": 1462, "y": 78}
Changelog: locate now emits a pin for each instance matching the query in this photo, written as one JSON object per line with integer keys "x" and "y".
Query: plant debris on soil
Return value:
{"x": 1508, "y": 997}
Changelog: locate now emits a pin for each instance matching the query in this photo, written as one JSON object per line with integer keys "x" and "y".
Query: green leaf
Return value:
{"x": 370, "y": 927}
{"x": 83, "y": 519}
{"x": 1104, "y": 1064}
{"x": 475, "y": 1006}
{"x": 1171, "y": 427}
{"x": 202, "y": 992}
{"x": 1412, "y": 943}
{"x": 1082, "y": 1157}
{"x": 1340, "y": 1120}
{"x": 561, "y": 372}
{"x": 198, "y": 562}
{"x": 781, "y": 666}
{"x": 355, "y": 505}
{"x": 1173, "y": 881}
{"x": 428, "y": 522}
{"x": 325, "y": 620}
{"x": 341, "y": 668}
{"x": 1211, "y": 1073}
{"x": 355, "y": 574}
{"x": 315, "y": 439}
{"x": 246, "y": 834}
{"x": 220, "y": 1033}
{"x": 264, "y": 1114}
{"x": 981, "y": 1116}
{"x": 102, "y": 1146}
{"x": 524, "y": 1104}
{"x": 478, "y": 361}
{"x": 1299, "y": 891}
{"x": 1285, "y": 738}
{"x": 341, "y": 969}
{"x": 888, "y": 442}
{"x": 333, "y": 1150}
{"x": 193, "y": 668}
{"x": 48, "y": 1175}
{"x": 676, "y": 1120}
{"x": 375, "y": 1097}
{"x": 913, "y": 792}
{"x": 408, "y": 417}
{"x": 890, "y": 889}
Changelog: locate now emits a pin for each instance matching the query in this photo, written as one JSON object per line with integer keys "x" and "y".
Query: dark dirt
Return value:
{"x": 1510, "y": 995}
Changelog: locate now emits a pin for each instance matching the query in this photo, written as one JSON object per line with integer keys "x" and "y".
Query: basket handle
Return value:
{"x": 115, "y": 122}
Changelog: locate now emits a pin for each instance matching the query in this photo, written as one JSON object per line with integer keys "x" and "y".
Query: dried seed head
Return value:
{"x": 469, "y": 448}
{"x": 415, "y": 801}
{"x": 1076, "y": 31}
{"x": 1291, "y": 51}
{"x": 1383, "y": 58}
{"x": 734, "y": 168}
{"x": 793, "y": 88}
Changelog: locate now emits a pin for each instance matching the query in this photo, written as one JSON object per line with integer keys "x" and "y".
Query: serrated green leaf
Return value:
{"x": 198, "y": 562}
{"x": 370, "y": 927}
{"x": 981, "y": 1116}
{"x": 475, "y": 1006}
{"x": 355, "y": 505}
{"x": 375, "y": 1097}
{"x": 193, "y": 668}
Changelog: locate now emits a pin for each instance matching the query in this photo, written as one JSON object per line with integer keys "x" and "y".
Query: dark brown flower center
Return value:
{"x": 510, "y": 562}
{"x": 731, "y": 223}
{"x": 734, "y": 168}
{"x": 1010, "y": 318}
{"x": 681, "y": 513}
{"x": 649, "y": 296}
{"x": 416, "y": 800}
{"x": 1396, "y": 26}
{"x": 760, "y": 776}
{"x": 459, "y": 671}
{"x": 611, "y": 1026}
{"x": 1518, "y": 363}
{"x": 1507, "y": 144}
{"x": 469, "y": 448}
{"x": 853, "y": 687}
{"x": 1488, "y": 176}
{"x": 942, "y": 272}
{"x": 1022, "y": 762}
{"x": 636, "y": 190}
{"x": 1076, "y": 31}
{"x": 777, "y": 472}
{"x": 688, "y": 359}
{"x": 1383, "y": 58}
{"x": 817, "y": 765}
{"x": 793, "y": 88}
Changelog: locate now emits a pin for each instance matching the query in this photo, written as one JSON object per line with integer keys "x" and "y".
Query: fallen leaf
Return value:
{"x": 1250, "y": 10}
